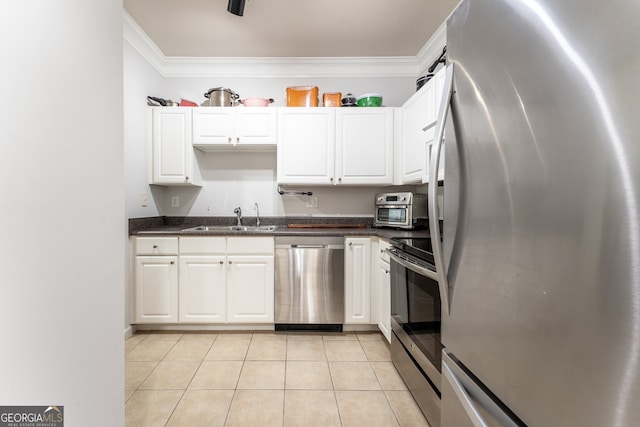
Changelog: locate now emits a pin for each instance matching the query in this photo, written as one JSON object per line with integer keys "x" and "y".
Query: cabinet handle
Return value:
{"x": 340, "y": 179}
{"x": 186, "y": 179}
{"x": 331, "y": 179}
{"x": 386, "y": 272}
{"x": 230, "y": 262}
{"x": 350, "y": 243}
{"x": 172, "y": 262}
{"x": 221, "y": 262}
{"x": 237, "y": 140}
{"x": 155, "y": 246}
{"x": 229, "y": 140}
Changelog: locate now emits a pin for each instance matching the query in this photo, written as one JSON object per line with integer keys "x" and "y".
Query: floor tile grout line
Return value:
{"x": 184, "y": 391}
{"x": 284, "y": 389}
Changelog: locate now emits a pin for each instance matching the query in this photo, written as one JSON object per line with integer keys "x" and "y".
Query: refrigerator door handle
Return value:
{"x": 463, "y": 397}
{"x": 434, "y": 225}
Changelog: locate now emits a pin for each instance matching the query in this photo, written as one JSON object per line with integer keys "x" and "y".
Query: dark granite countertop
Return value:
{"x": 345, "y": 226}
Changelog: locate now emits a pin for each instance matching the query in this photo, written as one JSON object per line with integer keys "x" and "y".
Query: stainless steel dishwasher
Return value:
{"x": 309, "y": 283}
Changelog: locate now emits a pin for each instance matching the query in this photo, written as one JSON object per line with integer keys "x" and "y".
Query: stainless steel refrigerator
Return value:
{"x": 541, "y": 235}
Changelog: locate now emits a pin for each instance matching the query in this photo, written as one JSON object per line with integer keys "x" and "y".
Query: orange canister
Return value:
{"x": 302, "y": 96}
{"x": 331, "y": 99}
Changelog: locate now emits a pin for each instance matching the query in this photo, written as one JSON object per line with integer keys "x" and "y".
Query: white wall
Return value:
{"x": 140, "y": 80}
{"x": 62, "y": 207}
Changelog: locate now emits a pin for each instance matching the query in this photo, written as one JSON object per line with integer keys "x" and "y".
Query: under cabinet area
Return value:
{"x": 204, "y": 280}
{"x": 335, "y": 146}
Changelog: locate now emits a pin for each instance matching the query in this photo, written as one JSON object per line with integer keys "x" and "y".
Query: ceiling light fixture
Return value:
{"x": 236, "y": 7}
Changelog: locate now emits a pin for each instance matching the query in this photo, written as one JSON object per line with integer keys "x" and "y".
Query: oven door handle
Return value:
{"x": 413, "y": 267}
{"x": 434, "y": 225}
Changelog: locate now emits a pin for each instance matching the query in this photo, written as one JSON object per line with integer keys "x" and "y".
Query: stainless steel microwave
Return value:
{"x": 400, "y": 210}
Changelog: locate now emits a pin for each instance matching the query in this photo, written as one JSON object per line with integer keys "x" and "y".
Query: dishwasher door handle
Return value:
{"x": 309, "y": 246}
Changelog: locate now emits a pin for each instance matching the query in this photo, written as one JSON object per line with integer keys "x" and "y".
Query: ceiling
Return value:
{"x": 290, "y": 28}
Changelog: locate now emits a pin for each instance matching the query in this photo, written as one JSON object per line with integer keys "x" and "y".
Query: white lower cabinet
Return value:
{"x": 357, "y": 280}
{"x": 383, "y": 289}
{"x": 250, "y": 289}
{"x": 208, "y": 280}
{"x": 156, "y": 280}
{"x": 203, "y": 291}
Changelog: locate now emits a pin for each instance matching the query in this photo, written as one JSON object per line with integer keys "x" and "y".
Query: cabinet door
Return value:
{"x": 438, "y": 90}
{"x": 383, "y": 293}
{"x": 213, "y": 126}
{"x": 357, "y": 280}
{"x": 419, "y": 116}
{"x": 203, "y": 284}
{"x": 171, "y": 146}
{"x": 364, "y": 146}
{"x": 256, "y": 126}
{"x": 306, "y": 139}
{"x": 250, "y": 289}
{"x": 156, "y": 289}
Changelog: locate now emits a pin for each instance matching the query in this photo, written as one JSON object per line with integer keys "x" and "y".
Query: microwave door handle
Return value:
{"x": 434, "y": 225}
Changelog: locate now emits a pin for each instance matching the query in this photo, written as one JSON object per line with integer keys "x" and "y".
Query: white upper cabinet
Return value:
{"x": 419, "y": 122}
{"x": 419, "y": 116}
{"x": 230, "y": 128}
{"x": 364, "y": 146}
{"x": 333, "y": 146}
{"x": 172, "y": 153}
{"x": 306, "y": 145}
{"x": 438, "y": 85}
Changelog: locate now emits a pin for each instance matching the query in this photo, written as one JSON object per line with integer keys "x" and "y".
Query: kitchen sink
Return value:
{"x": 262, "y": 228}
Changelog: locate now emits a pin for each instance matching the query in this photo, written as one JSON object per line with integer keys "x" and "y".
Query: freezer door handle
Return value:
{"x": 476, "y": 405}
{"x": 463, "y": 397}
{"x": 434, "y": 225}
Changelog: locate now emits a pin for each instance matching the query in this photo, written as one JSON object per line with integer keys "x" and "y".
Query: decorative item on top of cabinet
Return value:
{"x": 229, "y": 128}
{"x": 171, "y": 150}
{"x": 327, "y": 146}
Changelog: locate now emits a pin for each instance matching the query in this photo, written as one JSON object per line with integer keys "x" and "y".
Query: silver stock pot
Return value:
{"x": 220, "y": 97}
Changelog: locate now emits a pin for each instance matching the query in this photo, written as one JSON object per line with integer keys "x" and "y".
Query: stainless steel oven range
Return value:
{"x": 416, "y": 347}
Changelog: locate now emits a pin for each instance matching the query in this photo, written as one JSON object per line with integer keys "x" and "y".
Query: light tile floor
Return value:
{"x": 264, "y": 379}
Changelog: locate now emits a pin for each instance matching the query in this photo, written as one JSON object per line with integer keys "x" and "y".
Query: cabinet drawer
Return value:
{"x": 203, "y": 245}
{"x": 156, "y": 245}
{"x": 250, "y": 245}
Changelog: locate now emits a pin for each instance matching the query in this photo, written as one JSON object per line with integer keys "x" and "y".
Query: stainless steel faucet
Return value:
{"x": 238, "y": 213}
{"x": 257, "y": 215}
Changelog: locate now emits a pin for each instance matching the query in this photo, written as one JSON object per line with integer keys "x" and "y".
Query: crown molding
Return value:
{"x": 432, "y": 49}
{"x": 267, "y": 67}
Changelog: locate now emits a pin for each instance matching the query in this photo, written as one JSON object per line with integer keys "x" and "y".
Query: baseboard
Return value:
{"x": 128, "y": 331}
